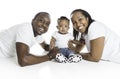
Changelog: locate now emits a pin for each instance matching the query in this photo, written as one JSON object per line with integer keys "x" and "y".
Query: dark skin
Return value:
{"x": 40, "y": 26}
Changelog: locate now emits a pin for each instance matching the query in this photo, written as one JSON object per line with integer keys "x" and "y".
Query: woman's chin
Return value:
{"x": 81, "y": 30}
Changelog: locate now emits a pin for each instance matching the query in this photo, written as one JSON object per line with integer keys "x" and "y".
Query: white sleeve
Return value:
{"x": 71, "y": 36}
{"x": 24, "y": 36}
{"x": 55, "y": 34}
{"x": 39, "y": 39}
{"x": 96, "y": 30}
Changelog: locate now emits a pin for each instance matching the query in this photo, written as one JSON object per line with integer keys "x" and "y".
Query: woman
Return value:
{"x": 100, "y": 41}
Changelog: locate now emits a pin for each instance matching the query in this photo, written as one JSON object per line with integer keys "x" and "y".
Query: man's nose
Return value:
{"x": 78, "y": 23}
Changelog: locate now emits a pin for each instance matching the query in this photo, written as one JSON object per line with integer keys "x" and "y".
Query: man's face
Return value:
{"x": 41, "y": 24}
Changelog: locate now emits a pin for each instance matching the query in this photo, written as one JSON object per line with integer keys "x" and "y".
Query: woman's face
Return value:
{"x": 80, "y": 22}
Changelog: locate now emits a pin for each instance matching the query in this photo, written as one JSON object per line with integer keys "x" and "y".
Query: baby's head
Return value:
{"x": 63, "y": 25}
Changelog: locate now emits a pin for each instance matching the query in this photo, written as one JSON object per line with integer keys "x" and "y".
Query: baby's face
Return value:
{"x": 63, "y": 26}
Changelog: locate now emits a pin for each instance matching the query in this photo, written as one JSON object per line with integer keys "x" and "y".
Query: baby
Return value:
{"x": 60, "y": 39}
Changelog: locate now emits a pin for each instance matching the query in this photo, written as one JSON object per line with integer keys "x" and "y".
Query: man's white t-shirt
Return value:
{"x": 111, "y": 51}
{"x": 20, "y": 33}
{"x": 62, "y": 39}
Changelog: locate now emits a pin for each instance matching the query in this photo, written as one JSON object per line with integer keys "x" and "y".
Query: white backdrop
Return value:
{"x": 14, "y": 12}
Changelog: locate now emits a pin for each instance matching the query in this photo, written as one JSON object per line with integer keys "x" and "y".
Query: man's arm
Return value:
{"x": 45, "y": 46}
{"x": 25, "y": 58}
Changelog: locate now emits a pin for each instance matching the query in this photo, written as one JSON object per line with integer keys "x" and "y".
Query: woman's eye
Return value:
{"x": 74, "y": 23}
{"x": 80, "y": 19}
{"x": 66, "y": 26}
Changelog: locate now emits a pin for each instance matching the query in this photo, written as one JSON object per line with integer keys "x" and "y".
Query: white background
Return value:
{"x": 14, "y": 12}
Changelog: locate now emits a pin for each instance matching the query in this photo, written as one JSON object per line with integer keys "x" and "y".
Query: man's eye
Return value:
{"x": 41, "y": 20}
{"x": 47, "y": 24}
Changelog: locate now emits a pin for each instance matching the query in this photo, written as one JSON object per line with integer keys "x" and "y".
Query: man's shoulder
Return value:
{"x": 24, "y": 26}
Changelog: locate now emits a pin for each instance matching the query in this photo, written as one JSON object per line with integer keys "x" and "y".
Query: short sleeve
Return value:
{"x": 71, "y": 36}
{"x": 55, "y": 34}
{"x": 39, "y": 39}
{"x": 24, "y": 35}
{"x": 96, "y": 30}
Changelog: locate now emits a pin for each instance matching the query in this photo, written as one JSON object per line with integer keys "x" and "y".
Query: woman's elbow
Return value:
{"x": 96, "y": 59}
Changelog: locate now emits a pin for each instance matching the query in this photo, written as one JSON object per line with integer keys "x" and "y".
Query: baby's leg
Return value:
{"x": 61, "y": 58}
{"x": 74, "y": 58}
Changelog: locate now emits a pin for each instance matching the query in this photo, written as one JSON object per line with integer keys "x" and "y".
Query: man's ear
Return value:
{"x": 57, "y": 27}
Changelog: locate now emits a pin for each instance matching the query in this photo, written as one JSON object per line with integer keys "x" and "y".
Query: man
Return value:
{"x": 21, "y": 37}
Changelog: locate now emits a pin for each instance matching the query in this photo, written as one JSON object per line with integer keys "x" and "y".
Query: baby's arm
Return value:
{"x": 52, "y": 43}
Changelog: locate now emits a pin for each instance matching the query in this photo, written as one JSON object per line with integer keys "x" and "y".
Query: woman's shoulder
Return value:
{"x": 97, "y": 23}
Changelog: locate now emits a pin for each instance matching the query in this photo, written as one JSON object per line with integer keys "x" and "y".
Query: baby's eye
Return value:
{"x": 66, "y": 26}
{"x": 60, "y": 26}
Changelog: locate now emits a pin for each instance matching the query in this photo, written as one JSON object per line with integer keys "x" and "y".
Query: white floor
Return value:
{"x": 9, "y": 69}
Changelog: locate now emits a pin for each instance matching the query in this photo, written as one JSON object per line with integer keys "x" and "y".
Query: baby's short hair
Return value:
{"x": 63, "y": 18}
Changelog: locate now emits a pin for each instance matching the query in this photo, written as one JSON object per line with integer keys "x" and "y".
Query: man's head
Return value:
{"x": 41, "y": 23}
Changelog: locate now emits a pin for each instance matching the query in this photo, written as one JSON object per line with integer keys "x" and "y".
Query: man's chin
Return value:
{"x": 40, "y": 33}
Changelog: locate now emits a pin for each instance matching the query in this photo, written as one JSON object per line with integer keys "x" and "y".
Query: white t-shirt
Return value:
{"x": 62, "y": 39}
{"x": 111, "y": 51}
{"x": 20, "y": 33}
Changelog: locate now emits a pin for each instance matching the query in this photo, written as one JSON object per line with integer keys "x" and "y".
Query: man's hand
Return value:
{"x": 52, "y": 53}
{"x": 45, "y": 46}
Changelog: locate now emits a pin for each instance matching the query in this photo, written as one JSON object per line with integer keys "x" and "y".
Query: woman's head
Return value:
{"x": 81, "y": 21}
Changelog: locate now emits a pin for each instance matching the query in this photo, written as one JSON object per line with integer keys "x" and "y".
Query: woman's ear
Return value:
{"x": 87, "y": 19}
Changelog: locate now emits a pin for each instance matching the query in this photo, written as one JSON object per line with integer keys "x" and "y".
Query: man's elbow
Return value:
{"x": 22, "y": 63}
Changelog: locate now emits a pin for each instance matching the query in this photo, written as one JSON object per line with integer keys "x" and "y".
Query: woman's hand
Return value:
{"x": 76, "y": 45}
{"x": 70, "y": 44}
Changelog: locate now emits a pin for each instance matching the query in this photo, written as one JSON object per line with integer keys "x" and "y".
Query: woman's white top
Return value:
{"x": 111, "y": 51}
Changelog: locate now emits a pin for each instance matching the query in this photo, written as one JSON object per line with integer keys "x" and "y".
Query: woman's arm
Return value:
{"x": 96, "y": 50}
